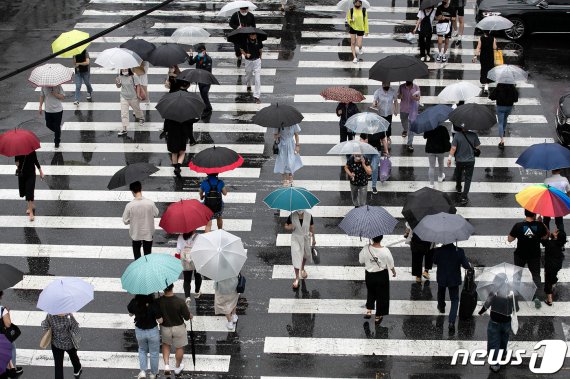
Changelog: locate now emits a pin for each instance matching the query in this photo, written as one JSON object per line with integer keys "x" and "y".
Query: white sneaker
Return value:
{"x": 441, "y": 178}
{"x": 360, "y": 51}
{"x": 188, "y": 301}
{"x": 454, "y": 34}
{"x": 355, "y": 60}
{"x": 166, "y": 370}
{"x": 432, "y": 186}
{"x": 151, "y": 376}
{"x": 141, "y": 375}
{"x": 235, "y": 318}
{"x": 197, "y": 295}
{"x": 178, "y": 370}
{"x": 428, "y": 58}
{"x": 230, "y": 325}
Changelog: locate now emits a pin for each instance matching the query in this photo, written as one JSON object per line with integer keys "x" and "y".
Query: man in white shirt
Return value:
{"x": 139, "y": 214}
{"x": 560, "y": 183}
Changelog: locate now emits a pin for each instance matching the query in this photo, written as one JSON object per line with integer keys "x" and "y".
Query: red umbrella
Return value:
{"x": 343, "y": 95}
{"x": 185, "y": 216}
{"x": 18, "y": 142}
{"x": 214, "y": 160}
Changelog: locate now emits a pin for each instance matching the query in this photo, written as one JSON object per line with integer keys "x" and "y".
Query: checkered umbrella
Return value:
{"x": 50, "y": 75}
{"x": 342, "y": 95}
{"x": 368, "y": 222}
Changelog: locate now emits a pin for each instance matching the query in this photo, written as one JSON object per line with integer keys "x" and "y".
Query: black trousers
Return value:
{"x": 464, "y": 170}
{"x": 424, "y": 41}
{"x": 550, "y": 279}
{"x": 188, "y": 280}
{"x": 345, "y": 134}
{"x": 146, "y": 246}
{"x": 53, "y": 122}
{"x": 204, "y": 92}
{"x": 237, "y": 50}
{"x": 533, "y": 266}
{"x": 378, "y": 291}
{"x": 559, "y": 221}
{"x": 418, "y": 257}
{"x": 58, "y": 360}
{"x": 389, "y": 131}
{"x": 189, "y": 130}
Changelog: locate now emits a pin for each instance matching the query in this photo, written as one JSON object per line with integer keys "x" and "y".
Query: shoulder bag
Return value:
{"x": 20, "y": 167}
{"x": 45, "y": 341}
{"x": 442, "y": 28}
{"x": 141, "y": 93}
{"x": 276, "y": 146}
{"x": 11, "y": 332}
{"x": 375, "y": 259}
{"x": 476, "y": 152}
{"x": 74, "y": 332}
{"x": 240, "y": 288}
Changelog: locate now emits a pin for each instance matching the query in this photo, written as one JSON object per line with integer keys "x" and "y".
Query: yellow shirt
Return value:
{"x": 359, "y": 22}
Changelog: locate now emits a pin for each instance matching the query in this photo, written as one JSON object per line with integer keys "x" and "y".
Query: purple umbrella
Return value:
{"x": 65, "y": 295}
{"x": 5, "y": 353}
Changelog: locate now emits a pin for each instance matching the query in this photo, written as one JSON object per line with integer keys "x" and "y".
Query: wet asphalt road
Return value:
{"x": 26, "y": 31}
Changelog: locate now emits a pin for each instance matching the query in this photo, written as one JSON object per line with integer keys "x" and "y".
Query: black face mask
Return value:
{"x": 357, "y": 5}
{"x": 386, "y": 88}
{"x": 408, "y": 83}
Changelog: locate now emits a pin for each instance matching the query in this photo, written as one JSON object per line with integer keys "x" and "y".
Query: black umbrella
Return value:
{"x": 9, "y": 276}
{"x": 131, "y": 173}
{"x": 192, "y": 345}
{"x": 423, "y": 202}
{"x": 424, "y": 4}
{"x": 473, "y": 117}
{"x": 197, "y": 76}
{"x": 214, "y": 160}
{"x": 168, "y": 55}
{"x": 143, "y": 48}
{"x": 397, "y": 68}
{"x": 180, "y": 106}
{"x": 277, "y": 116}
{"x": 239, "y": 35}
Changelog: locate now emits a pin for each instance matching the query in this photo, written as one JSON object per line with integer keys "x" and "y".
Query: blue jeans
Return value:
{"x": 149, "y": 342}
{"x": 374, "y": 162}
{"x": 453, "y": 296}
{"x": 405, "y": 120}
{"x": 497, "y": 338}
{"x": 82, "y": 77}
{"x": 503, "y": 111}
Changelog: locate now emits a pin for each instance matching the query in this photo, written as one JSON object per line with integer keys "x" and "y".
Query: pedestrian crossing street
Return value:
{"x": 318, "y": 331}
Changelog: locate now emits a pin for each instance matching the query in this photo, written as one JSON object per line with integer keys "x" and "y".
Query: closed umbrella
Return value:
{"x": 367, "y": 122}
{"x": 118, "y": 58}
{"x": 131, "y": 173}
{"x": 239, "y": 35}
{"x": 65, "y": 295}
{"x": 5, "y": 353}
{"x": 460, "y": 91}
{"x": 473, "y": 117}
{"x": 141, "y": 47}
{"x": 430, "y": 119}
{"x": 180, "y": 106}
{"x": 151, "y": 273}
{"x": 18, "y": 142}
{"x": 444, "y": 228}
{"x": 291, "y": 199}
{"x": 189, "y": 34}
{"x": 234, "y": 6}
{"x": 197, "y": 76}
{"x": 9, "y": 276}
{"x": 343, "y": 95}
{"x": 68, "y": 39}
{"x": 492, "y": 23}
{"x": 345, "y": 5}
{"x": 545, "y": 200}
{"x": 218, "y": 255}
{"x": 352, "y": 147}
{"x": 368, "y": 222}
{"x": 192, "y": 344}
{"x": 423, "y": 202}
{"x": 167, "y": 55}
{"x": 215, "y": 160}
{"x": 545, "y": 156}
{"x": 277, "y": 116}
{"x": 50, "y": 75}
{"x": 185, "y": 216}
{"x": 397, "y": 68}
{"x": 507, "y": 74}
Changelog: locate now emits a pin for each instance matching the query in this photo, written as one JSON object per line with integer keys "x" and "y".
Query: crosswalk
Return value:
{"x": 316, "y": 332}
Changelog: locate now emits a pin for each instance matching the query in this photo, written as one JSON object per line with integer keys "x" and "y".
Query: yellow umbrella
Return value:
{"x": 68, "y": 39}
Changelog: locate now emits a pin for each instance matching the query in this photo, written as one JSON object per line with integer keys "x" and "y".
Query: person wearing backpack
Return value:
{"x": 183, "y": 248}
{"x": 357, "y": 27}
{"x": 211, "y": 191}
{"x": 425, "y": 32}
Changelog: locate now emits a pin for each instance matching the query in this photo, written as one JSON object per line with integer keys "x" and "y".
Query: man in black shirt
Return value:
{"x": 241, "y": 19}
{"x": 203, "y": 62}
{"x": 444, "y": 15}
{"x": 82, "y": 75}
{"x": 252, "y": 49}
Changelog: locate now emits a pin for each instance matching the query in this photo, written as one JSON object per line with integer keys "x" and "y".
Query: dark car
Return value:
{"x": 528, "y": 16}
{"x": 563, "y": 120}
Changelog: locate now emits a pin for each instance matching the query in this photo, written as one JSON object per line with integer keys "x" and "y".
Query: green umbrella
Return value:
{"x": 291, "y": 199}
{"x": 151, "y": 273}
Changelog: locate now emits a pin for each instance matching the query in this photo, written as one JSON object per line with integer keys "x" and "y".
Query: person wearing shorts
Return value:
{"x": 459, "y": 23}
{"x": 357, "y": 21}
{"x": 445, "y": 14}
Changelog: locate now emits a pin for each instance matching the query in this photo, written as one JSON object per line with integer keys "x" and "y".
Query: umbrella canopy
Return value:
{"x": 277, "y": 116}
{"x": 234, "y": 6}
{"x": 473, "y": 117}
{"x": 65, "y": 295}
{"x": 18, "y": 142}
{"x": 545, "y": 200}
{"x": 368, "y": 222}
{"x": 494, "y": 23}
{"x": 291, "y": 199}
{"x": 151, "y": 273}
{"x": 167, "y": 55}
{"x": 218, "y": 255}
{"x": 141, "y": 47}
{"x": 499, "y": 284}
{"x": 352, "y": 147}
{"x": 397, "y": 68}
{"x": 50, "y": 75}
{"x": 423, "y": 202}
{"x": 367, "y": 122}
{"x": 239, "y": 35}
{"x": 185, "y": 216}
{"x": 68, "y": 39}
{"x": 189, "y": 34}
{"x": 343, "y": 95}
{"x": 430, "y": 119}
{"x": 197, "y": 76}
{"x": 9, "y": 276}
{"x": 507, "y": 74}
{"x": 444, "y": 228}
{"x": 215, "y": 160}
{"x": 118, "y": 58}
{"x": 545, "y": 156}
{"x": 5, "y": 353}
{"x": 131, "y": 173}
{"x": 459, "y": 91}
{"x": 180, "y": 106}
{"x": 345, "y": 5}
{"x": 425, "y": 4}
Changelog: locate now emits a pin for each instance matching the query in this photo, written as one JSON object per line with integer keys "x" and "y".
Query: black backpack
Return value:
{"x": 425, "y": 25}
{"x": 213, "y": 199}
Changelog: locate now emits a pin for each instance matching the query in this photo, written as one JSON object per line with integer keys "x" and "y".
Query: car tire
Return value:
{"x": 518, "y": 30}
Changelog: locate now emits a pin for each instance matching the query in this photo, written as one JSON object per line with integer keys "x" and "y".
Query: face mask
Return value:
{"x": 386, "y": 88}
{"x": 124, "y": 72}
{"x": 243, "y": 13}
{"x": 200, "y": 55}
{"x": 408, "y": 83}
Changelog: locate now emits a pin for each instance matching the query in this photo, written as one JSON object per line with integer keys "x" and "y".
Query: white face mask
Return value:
{"x": 124, "y": 72}
{"x": 243, "y": 13}
{"x": 300, "y": 213}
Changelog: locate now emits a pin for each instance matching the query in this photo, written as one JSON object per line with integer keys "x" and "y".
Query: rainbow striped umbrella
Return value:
{"x": 545, "y": 200}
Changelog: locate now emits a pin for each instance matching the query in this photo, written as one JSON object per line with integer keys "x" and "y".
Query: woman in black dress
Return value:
{"x": 26, "y": 171}
{"x": 486, "y": 52}
{"x": 177, "y": 136}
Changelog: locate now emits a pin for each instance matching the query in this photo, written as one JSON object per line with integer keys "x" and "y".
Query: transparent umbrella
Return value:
{"x": 352, "y": 147}
{"x": 459, "y": 91}
{"x": 494, "y": 23}
{"x": 189, "y": 34}
{"x": 507, "y": 74}
{"x": 367, "y": 122}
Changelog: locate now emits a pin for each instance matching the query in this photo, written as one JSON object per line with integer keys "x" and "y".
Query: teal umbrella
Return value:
{"x": 151, "y": 273}
{"x": 291, "y": 199}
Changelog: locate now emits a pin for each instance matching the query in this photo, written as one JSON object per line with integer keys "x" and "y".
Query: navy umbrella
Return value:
{"x": 423, "y": 202}
{"x": 368, "y": 222}
{"x": 444, "y": 228}
{"x": 545, "y": 156}
{"x": 430, "y": 118}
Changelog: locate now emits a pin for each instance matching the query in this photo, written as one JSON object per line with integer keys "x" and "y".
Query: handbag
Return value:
{"x": 442, "y": 28}
{"x": 476, "y": 152}
{"x": 276, "y": 146}
{"x": 141, "y": 93}
{"x": 20, "y": 167}
{"x": 12, "y": 332}
{"x": 240, "y": 288}
{"x": 315, "y": 255}
{"x": 74, "y": 332}
{"x": 45, "y": 341}
{"x": 498, "y": 54}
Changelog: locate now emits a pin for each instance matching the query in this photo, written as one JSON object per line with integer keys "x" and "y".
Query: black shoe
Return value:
{"x": 451, "y": 328}
{"x": 441, "y": 309}
{"x": 162, "y": 134}
{"x": 239, "y": 62}
{"x": 206, "y": 114}
{"x": 192, "y": 143}
{"x": 78, "y": 374}
{"x": 464, "y": 200}
{"x": 458, "y": 189}
{"x": 248, "y": 88}
{"x": 13, "y": 372}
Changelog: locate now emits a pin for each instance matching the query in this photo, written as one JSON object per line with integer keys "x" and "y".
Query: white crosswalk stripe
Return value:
{"x": 162, "y": 88}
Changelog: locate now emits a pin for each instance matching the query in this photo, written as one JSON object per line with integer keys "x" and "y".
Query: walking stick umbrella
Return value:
{"x": 215, "y": 160}
{"x": 189, "y": 34}
{"x": 493, "y": 23}
{"x": 18, "y": 142}
{"x": 291, "y": 199}
{"x": 545, "y": 200}
{"x": 343, "y": 95}
{"x": 507, "y": 74}
{"x": 368, "y": 222}
{"x": 444, "y": 228}
{"x": 118, "y": 58}
{"x": 167, "y": 55}
{"x": 50, "y": 75}
{"x": 397, "y": 68}
{"x": 218, "y": 255}
{"x": 151, "y": 273}
{"x": 180, "y": 106}
{"x": 192, "y": 344}
{"x": 430, "y": 119}
{"x": 131, "y": 173}
{"x": 459, "y": 91}
{"x": 473, "y": 117}
{"x": 240, "y": 35}
{"x": 65, "y": 295}
{"x": 367, "y": 122}
{"x": 352, "y": 147}
{"x": 198, "y": 76}
{"x": 345, "y": 5}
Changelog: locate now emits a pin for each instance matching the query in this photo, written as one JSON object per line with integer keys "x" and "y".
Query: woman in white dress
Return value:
{"x": 225, "y": 300}
{"x": 301, "y": 224}
{"x": 288, "y": 160}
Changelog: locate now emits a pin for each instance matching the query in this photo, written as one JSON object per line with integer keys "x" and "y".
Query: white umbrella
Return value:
{"x": 352, "y": 147}
{"x": 50, "y": 75}
{"x": 234, "y": 6}
{"x": 218, "y": 255}
{"x": 118, "y": 58}
{"x": 494, "y": 23}
{"x": 459, "y": 91}
{"x": 508, "y": 74}
{"x": 189, "y": 33}
{"x": 345, "y": 5}
{"x": 367, "y": 122}
{"x": 65, "y": 295}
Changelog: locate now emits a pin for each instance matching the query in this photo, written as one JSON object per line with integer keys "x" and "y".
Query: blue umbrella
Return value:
{"x": 291, "y": 199}
{"x": 151, "y": 273}
{"x": 65, "y": 295}
{"x": 545, "y": 156}
{"x": 430, "y": 118}
{"x": 368, "y": 222}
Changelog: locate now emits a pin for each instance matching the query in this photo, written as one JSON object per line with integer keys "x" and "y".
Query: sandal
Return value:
{"x": 304, "y": 274}
{"x": 368, "y": 315}
{"x": 31, "y": 215}
{"x": 501, "y": 145}
{"x": 377, "y": 319}
{"x": 549, "y": 303}
{"x": 295, "y": 284}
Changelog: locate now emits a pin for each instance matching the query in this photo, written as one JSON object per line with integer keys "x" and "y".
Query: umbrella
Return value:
{"x": 367, "y": 122}
{"x": 397, "y": 68}
{"x": 345, "y": 5}
{"x": 277, "y": 116}
{"x": 180, "y": 106}
{"x": 473, "y": 117}
{"x": 131, "y": 173}
{"x": 185, "y": 216}
{"x": 141, "y": 47}
{"x": 499, "y": 281}
{"x": 342, "y": 95}
{"x": 65, "y": 295}
{"x": 168, "y": 55}
{"x": 197, "y": 76}
{"x": 9, "y": 276}
{"x": 368, "y": 222}
{"x": 5, "y": 352}
{"x": 459, "y": 91}
{"x": 68, "y": 39}
{"x": 430, "y": 119}
{"x": 151, "y": 273}
{"x": 352, "y": 147}
{"x": 425, "y": 4}
{"x": 189, "y": 33}
{"x": 218, "y": 255}
{"x": 239, "y": 35}
{"x": 545, "y": 156}
{"x": 214, "y": 160}
{"x": 545, "y": 200}
{"x": 494, "y": 23}
{"x": 291, "y": 199}
{"x": 18, "y": 142}
{"x": 50, "y": 75}
{"x": 192, "y": 345}
{"x": 423, "y": 202}
{"x": 444, "y": 228}
{"x": 234, "y": 6}
{"x": 118, "y": 58}
{"x": 507, "y": 74}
